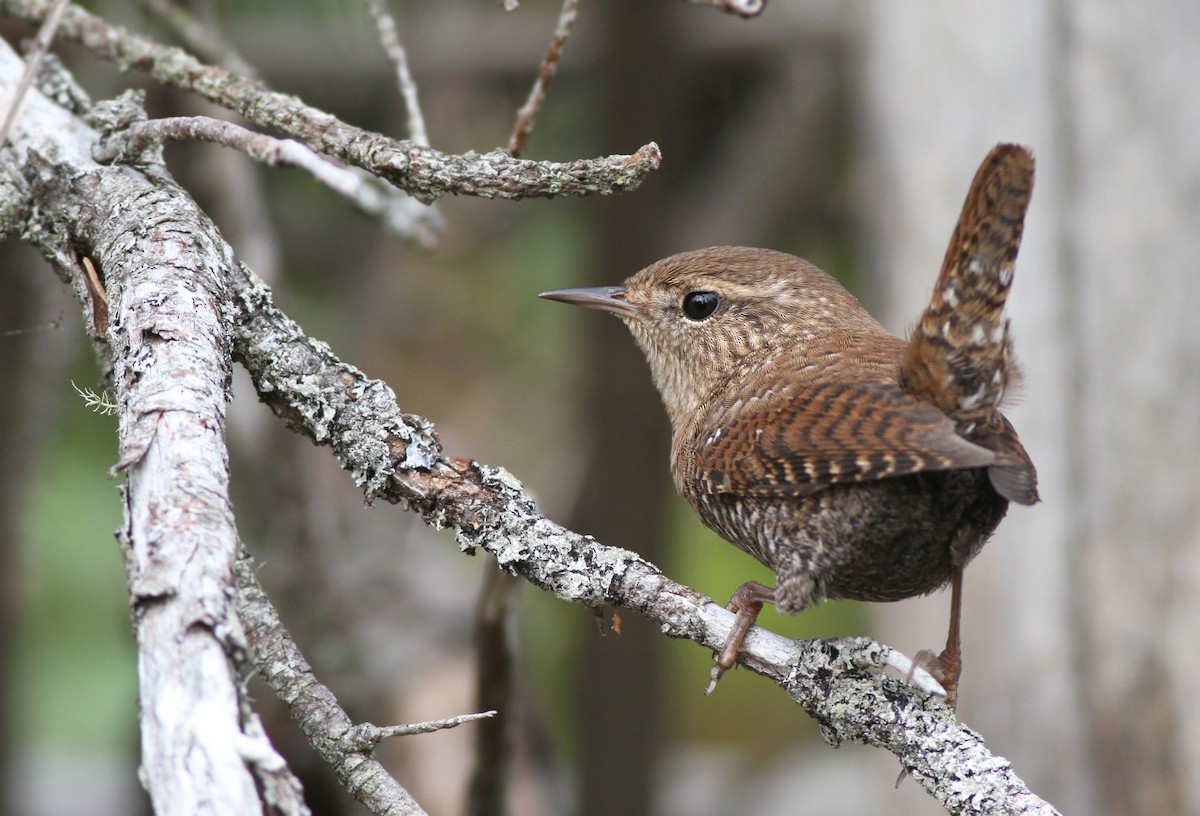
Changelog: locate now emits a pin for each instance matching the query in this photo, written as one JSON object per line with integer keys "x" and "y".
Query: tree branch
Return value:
{"x": 389, "y": 37}
{"x": 423, "y": 172}
{"x": 365, "y": 736}
{"x": 312, "y": 705}
{"x": 163, "y": 270}
{"x": 396, "y": 457}
{"x": 150, "y": 135}
{"x": 527, "y": 115}
{"x": 203, "y": 749}
{"x": 33, "y": 64}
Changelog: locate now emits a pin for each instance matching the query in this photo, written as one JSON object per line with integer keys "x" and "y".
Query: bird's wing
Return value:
{"x": 829, "y": 433}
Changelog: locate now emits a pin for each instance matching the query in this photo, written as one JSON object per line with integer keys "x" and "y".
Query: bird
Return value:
{"x": 853, "y": 463}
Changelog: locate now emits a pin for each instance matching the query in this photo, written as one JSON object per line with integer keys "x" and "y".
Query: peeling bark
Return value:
{"x": 165, "y": 273}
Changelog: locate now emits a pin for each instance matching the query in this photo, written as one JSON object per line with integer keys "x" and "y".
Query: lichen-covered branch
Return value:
{"x": 150, "y": 135}
{"x": 312, "y": 705}
{"x": 421, "y": 171}
{"x": 156, "y": 261}
{"x": 166, "y": 330}
{"x": 397, "y": 458}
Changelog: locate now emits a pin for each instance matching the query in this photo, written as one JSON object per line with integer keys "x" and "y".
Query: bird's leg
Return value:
{"x": 746, "y": 603}
{"x": 947, "y": 666}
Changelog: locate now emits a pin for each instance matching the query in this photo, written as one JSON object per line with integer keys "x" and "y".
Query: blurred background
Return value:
{"x": 844, "y": 132}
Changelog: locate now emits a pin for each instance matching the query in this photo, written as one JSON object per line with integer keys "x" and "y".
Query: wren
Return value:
{"x": 852, "y": 463}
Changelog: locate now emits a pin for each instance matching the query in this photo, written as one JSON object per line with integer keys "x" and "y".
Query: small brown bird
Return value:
{"x": 851, "y": 462}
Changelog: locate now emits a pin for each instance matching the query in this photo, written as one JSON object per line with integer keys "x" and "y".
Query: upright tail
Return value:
{"x": 959, "y": 356}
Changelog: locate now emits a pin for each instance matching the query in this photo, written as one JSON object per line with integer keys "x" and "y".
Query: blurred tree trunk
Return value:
{"x": 16, "y": 311}
{"x": 623, "y": 496}
{"x": 1078, "y": 649}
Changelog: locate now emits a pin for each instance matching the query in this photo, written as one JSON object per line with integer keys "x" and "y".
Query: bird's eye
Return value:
{"x": 700, "y": 305}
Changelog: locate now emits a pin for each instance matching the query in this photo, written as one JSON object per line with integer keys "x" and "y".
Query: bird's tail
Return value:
{"x": 959, "y": 356}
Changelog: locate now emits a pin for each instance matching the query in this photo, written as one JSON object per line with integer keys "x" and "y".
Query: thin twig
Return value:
{"x": 528, "y": 113}
{"x": 312, "y": 705}
{"x": 53, "y": 325}
{"x": 422, "y": 221}
{"x": 129, "y": 144}
{"x": 33, "y": 64}
{"x": 390, "y": 39}
{"x": 364, "y": 737}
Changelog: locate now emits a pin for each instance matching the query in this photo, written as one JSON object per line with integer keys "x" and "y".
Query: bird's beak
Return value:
{"x": 605, "y": 298}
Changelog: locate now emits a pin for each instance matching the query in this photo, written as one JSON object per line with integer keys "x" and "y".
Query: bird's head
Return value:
{"x": 705, "y": 316}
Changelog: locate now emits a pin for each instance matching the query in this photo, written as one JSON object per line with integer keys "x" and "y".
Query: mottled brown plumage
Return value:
{"x": 853, "y": 463}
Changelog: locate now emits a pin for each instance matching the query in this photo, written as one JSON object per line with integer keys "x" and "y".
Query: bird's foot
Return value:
{"x": 746, "y": 603}
{"x": 945, "y": 668}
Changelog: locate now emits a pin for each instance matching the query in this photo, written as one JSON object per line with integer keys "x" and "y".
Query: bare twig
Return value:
{"x": 312, "y": 705}
{"x": 742, "y": 8}
{"x": 127, "y": 145}
{"x": 422, "y": 221}
{"x": 388, "y": 36}
{"x": 527, "y": 115}
{"x": 423, "y": 172}
{"x": 53, "y": 325}
{"x": 365, "y": 736}
{"x": 400, "y": 214}
{"x": 33, "y": 64}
